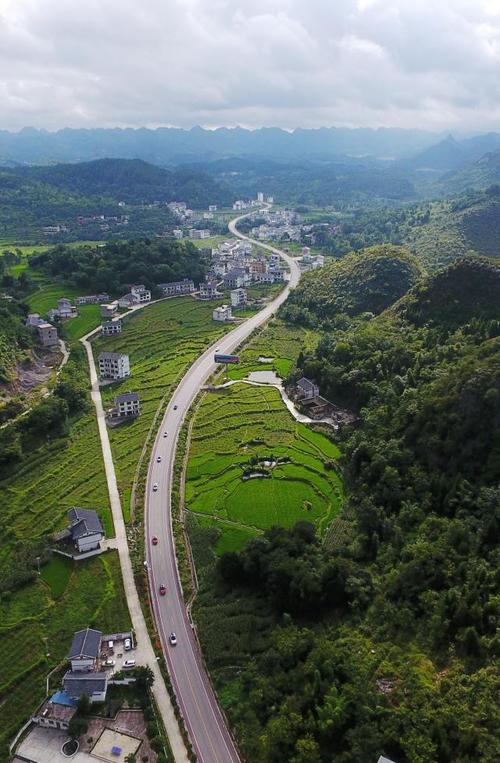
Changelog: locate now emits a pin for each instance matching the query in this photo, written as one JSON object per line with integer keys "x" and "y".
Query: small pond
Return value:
{"x": 265, "y": 377}
{"x": 70, "y": 747}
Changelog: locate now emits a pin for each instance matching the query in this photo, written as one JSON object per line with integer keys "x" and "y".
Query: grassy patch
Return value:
{"x": 57, "y": 574}
{"x": 37, "y": 634}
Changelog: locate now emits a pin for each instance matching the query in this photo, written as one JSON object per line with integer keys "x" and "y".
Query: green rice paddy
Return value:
{"x": 235, "y": 431}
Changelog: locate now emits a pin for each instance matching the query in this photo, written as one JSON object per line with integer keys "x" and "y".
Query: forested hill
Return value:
{"x": 131, "y": 180}
{"x": 65, "y": 194}
{"x": 113, "y": 267}
{"x": 469, "y": 289}
{"x": 389, "y": 642}
{"x": 366, "y": 281}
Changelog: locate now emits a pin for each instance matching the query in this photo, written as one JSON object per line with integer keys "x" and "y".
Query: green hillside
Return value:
{"x": 479, "y": 174}
{"x": 469, "y": 289}
{"x": 383, "y": 638}
{"x": 366, "y": 281}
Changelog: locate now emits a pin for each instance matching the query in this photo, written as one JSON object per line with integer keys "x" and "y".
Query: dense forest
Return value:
{"x": 116, "y": 265}
{"x": 386, "y": 641}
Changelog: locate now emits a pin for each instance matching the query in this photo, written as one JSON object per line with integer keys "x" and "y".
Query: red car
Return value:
{"x": 163, "y": 590}
{"x": 154, "y": 540}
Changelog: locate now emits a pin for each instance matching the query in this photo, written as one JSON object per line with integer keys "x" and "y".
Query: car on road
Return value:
{"x": 158, "y": 459}
{"x": 154, "y": 540}
{"x": 163, "y": 590}
{"x": 165, "y": 434}
{"x": 173, "y": 639}
{"x": 129, "y": 664}
{"x": 175, "y": 407}
{"x": 155, "y": 487}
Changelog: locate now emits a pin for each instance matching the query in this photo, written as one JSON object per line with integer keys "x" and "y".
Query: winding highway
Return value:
{"x": 205, "y": 723}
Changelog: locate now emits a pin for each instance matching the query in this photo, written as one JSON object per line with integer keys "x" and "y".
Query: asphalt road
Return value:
{"x": 205, "y": 723}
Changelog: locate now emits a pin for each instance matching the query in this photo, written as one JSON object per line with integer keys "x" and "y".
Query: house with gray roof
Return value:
{"x": 306, "y": 389}
{"x": 94, "y": 685}
{"x": 127, "y": 406}
{"x": 85, "y": 529}
{"x": 384, "y": 760}
{"x": 113, "y": 365}
{"x": 84, "y": 650}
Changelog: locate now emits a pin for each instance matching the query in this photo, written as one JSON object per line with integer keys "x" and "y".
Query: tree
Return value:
{"x": 77, "y": 726}
{"x": 84, "y": 705}
{"x": 144, "y": 678}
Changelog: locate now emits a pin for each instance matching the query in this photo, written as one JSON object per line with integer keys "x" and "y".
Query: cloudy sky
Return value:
{"x": 407, "y": 63}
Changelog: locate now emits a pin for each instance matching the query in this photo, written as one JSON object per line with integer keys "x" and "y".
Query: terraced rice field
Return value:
{"x": 162, "y": 341}
{"x": 232, "y": 430}
{"x": 34, "y": 500}
{"x": 37, "y": 624}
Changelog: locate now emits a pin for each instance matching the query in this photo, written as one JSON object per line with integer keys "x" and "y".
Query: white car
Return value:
{"x": 159, "y": 459}
{"x": 173, "y": 639}
{"x": 165, "y": 434}
{"x": 155, "y": 487}
{"x": 129, "y": 664}
{"x": 109, "y": 663}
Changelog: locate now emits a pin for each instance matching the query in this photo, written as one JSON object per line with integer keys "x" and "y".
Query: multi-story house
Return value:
{"x": 113, "y": 365}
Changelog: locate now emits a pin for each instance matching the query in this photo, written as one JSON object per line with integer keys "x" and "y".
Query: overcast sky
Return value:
{"x": 408, "y": 63}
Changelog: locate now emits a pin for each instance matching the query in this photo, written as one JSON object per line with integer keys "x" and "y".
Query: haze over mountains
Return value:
{"x": 173, "y": 146}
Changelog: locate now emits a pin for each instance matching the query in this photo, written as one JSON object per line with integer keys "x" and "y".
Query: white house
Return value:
{"x": 84, "y": 650}
{"x": 113, "y": 365}
{"x": 222, "y": 313}
{"x": 238, "y": 298}
{"x": 208, "y": 290}
{"x": 94, "y": 685}
{"x": 140, "y": 293}
{"x": 127, "y": 405}
{"x": 212, "y": 207}
{"x": 186, "y": 286}
{"x": 109, "y": 328}
{"x": 85, "y": 529}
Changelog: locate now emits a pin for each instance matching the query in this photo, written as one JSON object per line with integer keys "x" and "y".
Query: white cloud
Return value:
{"x": 254, "y": 62}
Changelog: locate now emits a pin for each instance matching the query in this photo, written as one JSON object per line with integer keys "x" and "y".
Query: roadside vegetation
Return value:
{"x": 37, "y": 623}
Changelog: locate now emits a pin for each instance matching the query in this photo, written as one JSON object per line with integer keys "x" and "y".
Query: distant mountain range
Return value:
{"x": 450, "y": 154}
{"x": 166, "y": 146}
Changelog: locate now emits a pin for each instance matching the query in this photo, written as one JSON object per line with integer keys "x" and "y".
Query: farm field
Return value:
{"x": 241, "y": 433}
{"x": 279, "y": 343}
{"x": 162, "y": 341}
{"x": 35, "y": 497}
{"x": 37, "y": 623}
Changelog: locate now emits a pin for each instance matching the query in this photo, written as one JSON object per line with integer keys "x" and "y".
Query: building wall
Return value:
{"x": 82, "y": 665}
{"x": 89, "y": 542}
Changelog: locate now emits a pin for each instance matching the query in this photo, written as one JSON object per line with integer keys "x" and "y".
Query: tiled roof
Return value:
{"x": 76, "y": 684}
{"x": 86, "y": 643}
{"x": 127, "y": 397}
{"x": 83, "y": 522}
